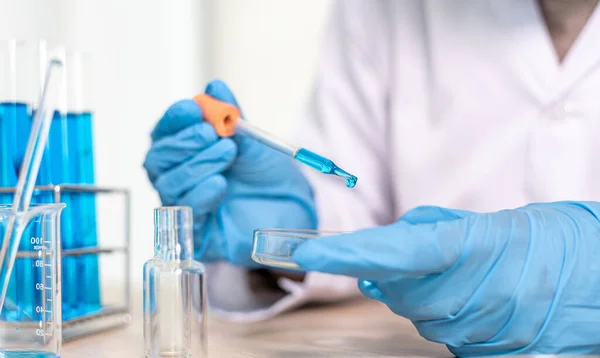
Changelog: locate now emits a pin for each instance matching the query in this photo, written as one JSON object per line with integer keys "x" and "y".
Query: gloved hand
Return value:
{"x": 234, "y": 185}
{"x": 524, "y": 281}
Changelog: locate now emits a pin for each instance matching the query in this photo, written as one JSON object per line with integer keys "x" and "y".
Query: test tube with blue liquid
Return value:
{"x": 23, "y": 71}
{"x": 8, "y": 122}
{"x": 57, "y": 169}
{"x": 81, "y": 148}
{"x": 31, "y": 59}
{"x": 227, "y": 121}
{"x": 37, "y": 334}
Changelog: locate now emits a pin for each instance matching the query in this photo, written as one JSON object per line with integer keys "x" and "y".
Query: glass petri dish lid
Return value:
{"x": 275, "y": 247}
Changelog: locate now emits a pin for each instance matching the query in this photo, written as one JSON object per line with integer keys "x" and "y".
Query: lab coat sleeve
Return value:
{"x": 346, "y": 122}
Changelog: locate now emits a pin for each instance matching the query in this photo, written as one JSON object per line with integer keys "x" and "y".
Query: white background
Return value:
{"x": 148, "y": 54}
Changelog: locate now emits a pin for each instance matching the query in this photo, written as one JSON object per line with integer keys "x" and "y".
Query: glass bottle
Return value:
{"x": 174, "y": 290}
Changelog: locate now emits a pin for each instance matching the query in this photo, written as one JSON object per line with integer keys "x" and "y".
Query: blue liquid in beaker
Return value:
{"x": 27, "y": 355}
{"x": 8, "y": 178}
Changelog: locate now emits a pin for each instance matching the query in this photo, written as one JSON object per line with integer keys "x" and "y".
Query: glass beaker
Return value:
{"x": 30, "y": 321}
{"x": 174, "y": 287}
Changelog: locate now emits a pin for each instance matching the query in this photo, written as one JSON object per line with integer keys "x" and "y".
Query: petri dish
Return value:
{"x": 275, "y": 247}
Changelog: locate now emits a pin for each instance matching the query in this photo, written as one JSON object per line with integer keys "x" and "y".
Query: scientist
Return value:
{"x": 476, "y": 105}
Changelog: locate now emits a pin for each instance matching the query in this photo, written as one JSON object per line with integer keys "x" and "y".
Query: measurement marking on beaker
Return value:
{"x": 48, "y": 299}
{"x": 48, "y": 265}
{"x": 47, "y": 334}
{"x": 48, "y": 288}
{"x": 47, "y": 242}
{"x": 48, "y": 276}
{"x": 47, "y": 311}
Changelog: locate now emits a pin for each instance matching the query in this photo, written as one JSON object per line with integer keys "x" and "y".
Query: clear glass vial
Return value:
{"x": 174, "y": 290}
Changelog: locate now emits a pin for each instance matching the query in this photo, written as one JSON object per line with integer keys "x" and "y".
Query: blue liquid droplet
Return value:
{"x": 351, "y": 183}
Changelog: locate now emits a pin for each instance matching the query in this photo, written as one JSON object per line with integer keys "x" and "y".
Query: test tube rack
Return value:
{"x": 110, "y": 316}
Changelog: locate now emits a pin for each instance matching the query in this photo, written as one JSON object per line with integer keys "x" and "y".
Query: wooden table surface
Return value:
{"x": 355, "y": 329}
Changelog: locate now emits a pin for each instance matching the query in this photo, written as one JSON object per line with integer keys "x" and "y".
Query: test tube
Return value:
{"x": 23, "y": 72}
{"x": 14, "y": 227}
{"x": 57, "y": 170}
{"x": 174, "y": 289}
{"x": 37, "y": 56}
{"x": 81, "y": 150}
{"x": 22, "y": 77}
{"x": 8, "y": 122}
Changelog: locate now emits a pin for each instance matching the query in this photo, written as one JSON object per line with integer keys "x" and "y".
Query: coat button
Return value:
{"x": 562, "y": 110}
{"x": 554, "y": 112}
{"x": 570, "y": 108}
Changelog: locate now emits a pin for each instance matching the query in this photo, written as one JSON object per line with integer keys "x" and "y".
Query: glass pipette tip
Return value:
{"x": 324, "y": 165}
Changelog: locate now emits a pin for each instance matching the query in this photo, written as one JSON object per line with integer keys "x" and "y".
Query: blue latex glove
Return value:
{"x": 518, "y": 281}
{"x": 234, "y": 185}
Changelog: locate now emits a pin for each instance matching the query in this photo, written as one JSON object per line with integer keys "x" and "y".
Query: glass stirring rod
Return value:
{"x": 227, "y": 120}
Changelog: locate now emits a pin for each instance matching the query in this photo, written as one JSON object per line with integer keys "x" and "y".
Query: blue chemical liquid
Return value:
{"x": 58, "y": 165}
{"x": 73, "y": 139}
{"x": 83, "y": 150}
{"x": 16, "y": 120}
{"x": 8, "y": 178}
{"x": 325, "y": 166}
{"x": 9, "y": 113}
{"x": 68, "y": 159}
{"x": 28, "y": 354}
{"x": 43, "y": 178}
{"x": 29, "y": 298}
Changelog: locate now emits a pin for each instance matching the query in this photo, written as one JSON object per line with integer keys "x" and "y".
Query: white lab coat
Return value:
{"x": 460, "y": 104}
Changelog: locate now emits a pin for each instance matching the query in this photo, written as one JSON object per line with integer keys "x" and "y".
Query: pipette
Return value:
{"x": 28, "y": 174}
{"x": 227, "y": 120}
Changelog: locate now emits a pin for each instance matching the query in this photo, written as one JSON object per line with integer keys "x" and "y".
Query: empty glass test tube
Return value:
{"x": 174, "y": 290}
